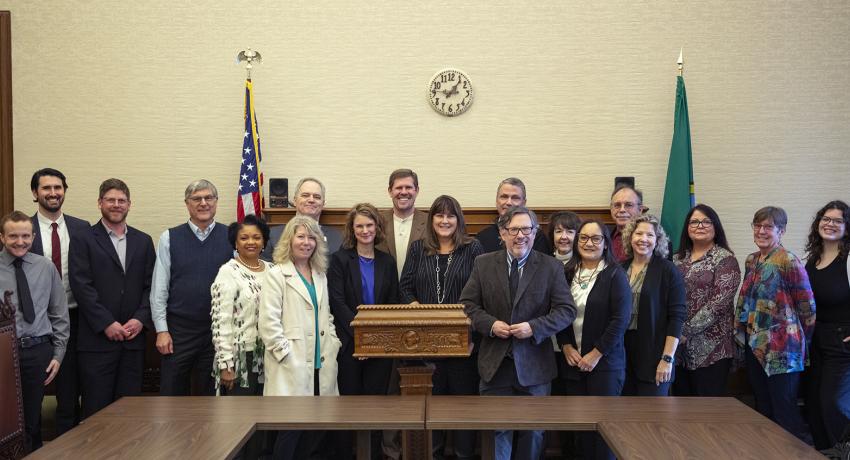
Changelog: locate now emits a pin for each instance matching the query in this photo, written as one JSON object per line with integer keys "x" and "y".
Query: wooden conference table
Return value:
{"x": 635, "y": 428}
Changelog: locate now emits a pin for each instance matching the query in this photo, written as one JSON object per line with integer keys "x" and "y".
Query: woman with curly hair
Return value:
{"x": 658, "y": 308}
{"x": 828, "y": 404}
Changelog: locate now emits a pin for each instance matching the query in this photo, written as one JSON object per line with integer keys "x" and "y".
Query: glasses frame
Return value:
{"x": 514, "y": 231}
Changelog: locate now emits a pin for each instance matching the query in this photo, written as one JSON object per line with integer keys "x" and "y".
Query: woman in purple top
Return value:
{"x": 712, "y": 276}
{"x": 828, "y": 404}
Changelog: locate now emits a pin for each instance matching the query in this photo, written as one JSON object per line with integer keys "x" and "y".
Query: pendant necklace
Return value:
{"x": 440, "y": 294}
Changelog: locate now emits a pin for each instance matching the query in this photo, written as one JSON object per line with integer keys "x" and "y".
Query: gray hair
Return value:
{"x": 625, "y": 186}
{"x": 662, "y": 243}
{"x": 311, "y": 179}
{"x": 200, "y": 184}
{"x": 775, "y": 214}
{"x": 506, "y": 218}
{"x": 283, "y": 250}
{"x": 516, "y": 182}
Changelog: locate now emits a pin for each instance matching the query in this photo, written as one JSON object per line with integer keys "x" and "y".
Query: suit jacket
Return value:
{"x": 288, "y": 327}
{"x": 543, "y": 299}
{"x": 332, "y": 236}
{"x": 606, "y": 317}
{"x": 417, "y": 230}
{"x": 491, "y": 241}
{"x": 74, "y": 224}
{"x": 105, "y": 292}
{"x": 661, "y": 313}
{"x": 346, "y": 290}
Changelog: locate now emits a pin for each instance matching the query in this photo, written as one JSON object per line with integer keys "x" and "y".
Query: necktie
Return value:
{"x": 514, "y": 278}
{"x": 56, "y": 248}
{"x": 24, "y": 297}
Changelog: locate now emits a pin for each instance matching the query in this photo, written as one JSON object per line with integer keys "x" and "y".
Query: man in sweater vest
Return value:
{"x": 188, "y": 258}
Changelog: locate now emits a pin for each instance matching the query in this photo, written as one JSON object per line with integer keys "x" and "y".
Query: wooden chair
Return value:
{"x": 11, "y": 403}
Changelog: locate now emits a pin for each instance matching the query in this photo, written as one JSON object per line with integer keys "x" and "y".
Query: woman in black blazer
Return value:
{"x": 593, "y": 344}
{"x": 658, "y": 309}
{"x": 435, "y": 271}
{"x": 360, "y": 274}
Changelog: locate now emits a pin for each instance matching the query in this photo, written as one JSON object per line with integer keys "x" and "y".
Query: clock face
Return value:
{"x": 450, "y": 92}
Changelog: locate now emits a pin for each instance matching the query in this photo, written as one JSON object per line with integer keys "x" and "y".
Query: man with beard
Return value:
{"x": 53, "y": 231}
{"x": 111, "y": 271}
{"x": 511, "y": 192}
{"x": 188, "y": 257}
{"x": 403, "y": 224}
{"x": 309, "y": 201}
{"x": 41, "y": 317}
{"x": 626, "y": 204}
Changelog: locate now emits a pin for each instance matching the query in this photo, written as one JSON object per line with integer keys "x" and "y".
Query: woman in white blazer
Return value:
{"x": 297, "y": 327}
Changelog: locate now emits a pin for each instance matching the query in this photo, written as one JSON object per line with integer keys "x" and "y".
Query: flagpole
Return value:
{"x": 680, "y": 62}
{"x": 249, "y": 56}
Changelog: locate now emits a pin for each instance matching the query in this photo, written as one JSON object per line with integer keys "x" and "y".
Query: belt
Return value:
{"x": 29, "y": 342}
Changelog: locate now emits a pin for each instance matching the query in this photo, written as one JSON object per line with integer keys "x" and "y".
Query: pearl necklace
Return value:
{"x": 255, "y": 267}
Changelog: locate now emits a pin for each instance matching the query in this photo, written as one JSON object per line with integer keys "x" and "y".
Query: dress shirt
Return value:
{"x": 46, "y": 230}
{"x": 162, "y": 275}
{"x": 401, "y": 228}
{"x": 119, "y": 243}
{"x": 520, "y": 263}
{"x": 48, "y": 299}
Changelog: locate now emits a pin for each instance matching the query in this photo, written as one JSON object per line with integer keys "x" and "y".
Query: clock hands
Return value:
{"x": 453, "y": 91}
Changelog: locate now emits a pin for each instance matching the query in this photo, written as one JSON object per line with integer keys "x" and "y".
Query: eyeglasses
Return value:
{"x": 705, "y": 223}
{"x": 198, "y": 199}
{"x": 114, "y": 201}
{"x": 623, "y": 205}
{"x": 765, "y": 227}
{"x": 514, "y": 231}
{"x": 595, "y": 240}
{"x": 832, "y": 220}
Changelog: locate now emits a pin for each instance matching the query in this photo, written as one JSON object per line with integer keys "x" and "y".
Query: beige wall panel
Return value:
{"x": 568, "y": 95}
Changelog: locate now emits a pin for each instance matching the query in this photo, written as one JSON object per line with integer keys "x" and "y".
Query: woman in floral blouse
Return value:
{"x": 711, "y": 275}
{"x": 776, "y": 318}
{"x": 238, "y": 364}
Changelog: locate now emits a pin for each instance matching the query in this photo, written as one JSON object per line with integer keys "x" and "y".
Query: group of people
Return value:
{"x": 246, "y": 309}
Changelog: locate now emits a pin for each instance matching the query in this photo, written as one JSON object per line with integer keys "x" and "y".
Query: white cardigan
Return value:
{"x": 287, "y": 327}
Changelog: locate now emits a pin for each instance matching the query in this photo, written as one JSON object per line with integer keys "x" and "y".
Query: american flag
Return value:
{"x": 250, "y": 199}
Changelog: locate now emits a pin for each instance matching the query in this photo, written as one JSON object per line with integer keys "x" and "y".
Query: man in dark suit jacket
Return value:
{"x": 52, "y": 233}
{"x": 517, "y": 300}
{"x": 403, "y": 224}
{"x": 112, "y": 266}
{"x": 511, "y": 192}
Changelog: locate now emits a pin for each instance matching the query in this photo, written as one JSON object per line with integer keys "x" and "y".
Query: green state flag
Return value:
{"x": 679, "y": 188}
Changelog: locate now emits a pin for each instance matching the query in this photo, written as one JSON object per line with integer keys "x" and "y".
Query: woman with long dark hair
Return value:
{"x": 827, "y": 265}
{"x": 711, "y": 276}
{"x": 435, "y": 271}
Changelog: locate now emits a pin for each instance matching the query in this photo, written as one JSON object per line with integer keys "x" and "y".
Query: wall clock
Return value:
{"x": 450, "y": 92}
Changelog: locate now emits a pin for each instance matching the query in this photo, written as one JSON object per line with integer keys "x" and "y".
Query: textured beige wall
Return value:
{"x": 568, "y": 95}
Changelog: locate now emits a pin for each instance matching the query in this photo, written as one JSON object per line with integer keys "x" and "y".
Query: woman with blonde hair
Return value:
{"x": 296, "y": 325}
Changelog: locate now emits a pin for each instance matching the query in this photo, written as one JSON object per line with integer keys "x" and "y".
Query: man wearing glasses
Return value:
{"x": 188, "y": 258}
{"x": 511, "y": 192}
{"x": 626, "y": 204}
{"x": 517, "y": 299}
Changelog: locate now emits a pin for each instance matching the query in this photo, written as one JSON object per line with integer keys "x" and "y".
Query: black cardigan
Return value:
{"x": 346, "y": 291}
{"x": 606, "y": 317}
{"x": 661, "y": 313}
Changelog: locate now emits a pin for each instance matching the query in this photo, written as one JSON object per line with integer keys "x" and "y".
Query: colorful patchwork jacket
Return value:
{"x": 776, "y": 307}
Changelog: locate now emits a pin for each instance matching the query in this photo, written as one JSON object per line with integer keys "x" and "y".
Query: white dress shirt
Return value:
{"x": 46, "y": 229}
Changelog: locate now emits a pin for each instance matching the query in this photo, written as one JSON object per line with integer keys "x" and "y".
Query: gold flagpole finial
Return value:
{"x": 249, "y": 56}
{"x": 681, "y": 62}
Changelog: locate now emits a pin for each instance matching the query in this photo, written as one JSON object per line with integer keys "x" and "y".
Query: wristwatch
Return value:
{"x": 667, "y": 359}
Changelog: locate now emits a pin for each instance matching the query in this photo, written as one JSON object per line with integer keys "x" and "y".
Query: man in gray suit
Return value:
{"x": 517, "y": 299}
{"x": 309, "y": 201}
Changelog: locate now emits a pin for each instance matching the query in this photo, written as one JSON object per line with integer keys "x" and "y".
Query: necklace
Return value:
{"x": 583, "y": 282}
{"x": 250, "y": 267}
{"x": 440, "y": 294}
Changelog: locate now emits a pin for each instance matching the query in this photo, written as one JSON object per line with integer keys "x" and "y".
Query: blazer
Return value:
{"x": 346, "y": 290}
{"x": 606, "y": 317}
{"x": 106, "y": 293}
{"x": 287, "y": 327}
{"x": 543, "y": 299}
{"x": 661, "y": 313}
{"x": 74, "y": 224}
{"x": 417, "y": 230}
